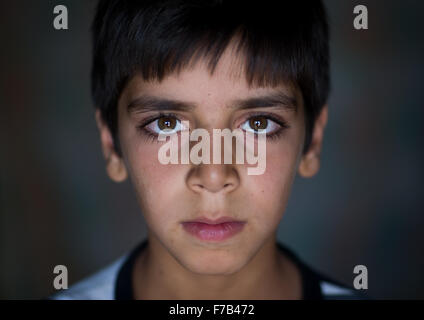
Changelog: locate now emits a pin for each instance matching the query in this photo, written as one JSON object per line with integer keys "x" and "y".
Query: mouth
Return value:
{"x": 213, "y": 230}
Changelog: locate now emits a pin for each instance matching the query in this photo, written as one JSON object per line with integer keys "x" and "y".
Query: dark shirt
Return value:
{"x": 114, "y": 282}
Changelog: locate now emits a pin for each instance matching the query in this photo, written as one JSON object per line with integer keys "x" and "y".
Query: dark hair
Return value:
{"x": 280, "y": 41}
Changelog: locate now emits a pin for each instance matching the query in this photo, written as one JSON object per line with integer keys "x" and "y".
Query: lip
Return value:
{"x": 213, "y": 230}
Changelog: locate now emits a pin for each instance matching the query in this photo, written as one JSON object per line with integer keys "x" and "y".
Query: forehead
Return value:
{"x": 198, "y": 84}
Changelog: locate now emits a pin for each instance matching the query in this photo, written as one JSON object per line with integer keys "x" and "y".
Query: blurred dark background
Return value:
{"x": 57, "y": 205}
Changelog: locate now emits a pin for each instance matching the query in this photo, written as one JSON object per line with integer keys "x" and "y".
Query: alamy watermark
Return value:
{"x": 60, "y": 282}
{"x": 60, "y": 21}
{"x": 178, "y": 149}
{"x": 361, "y": 20}
{"x": 360, "y": 282}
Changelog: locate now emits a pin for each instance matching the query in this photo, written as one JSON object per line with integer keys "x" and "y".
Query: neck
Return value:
{"x": 268, "y": 275}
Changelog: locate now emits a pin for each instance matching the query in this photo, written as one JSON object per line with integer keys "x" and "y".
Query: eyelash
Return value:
{"x": 282, "y": 123}
{"x": 151, "y": 137}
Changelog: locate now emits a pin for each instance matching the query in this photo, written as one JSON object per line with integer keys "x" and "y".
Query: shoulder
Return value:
{"x": 110, "y": 283}
{"x": 316, "y": 286}
{"x": 331, "y": 290}
{"x": 98, "y": 286}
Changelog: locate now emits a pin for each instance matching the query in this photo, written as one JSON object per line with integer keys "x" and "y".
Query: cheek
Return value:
{"x": 271, "y": 190}
{"x": 156, "y": 185}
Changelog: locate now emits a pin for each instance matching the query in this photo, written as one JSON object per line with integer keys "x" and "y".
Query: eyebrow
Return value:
{"x": 275, "y": 99}
{"x": 147, "y": 103}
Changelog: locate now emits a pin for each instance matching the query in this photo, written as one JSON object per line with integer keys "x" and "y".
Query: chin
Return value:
{"x": 214, "y": 264}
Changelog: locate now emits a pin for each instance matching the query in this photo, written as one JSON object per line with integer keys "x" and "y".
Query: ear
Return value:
{"x": 310, "y": 162}
{"x": 115, "y": 166}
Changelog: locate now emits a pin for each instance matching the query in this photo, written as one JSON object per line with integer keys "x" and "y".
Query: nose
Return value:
{"x": 213, "y": 178}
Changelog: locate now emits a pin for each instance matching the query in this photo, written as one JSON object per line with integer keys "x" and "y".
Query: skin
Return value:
{"x": 176, "y": 265}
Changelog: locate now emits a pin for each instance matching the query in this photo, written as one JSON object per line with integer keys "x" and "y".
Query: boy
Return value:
{"x": 177, "y": 66}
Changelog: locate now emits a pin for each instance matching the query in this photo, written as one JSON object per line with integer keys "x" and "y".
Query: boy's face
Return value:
{"x": 172, "y": 194}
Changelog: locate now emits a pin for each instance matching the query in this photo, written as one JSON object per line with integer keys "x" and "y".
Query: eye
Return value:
{"x": 256, "y": 123}
{"x": 165, "y": 124}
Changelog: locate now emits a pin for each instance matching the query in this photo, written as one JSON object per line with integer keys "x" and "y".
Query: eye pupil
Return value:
{"x": 258, "y": 123}
{"x": 165, "y": 123}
